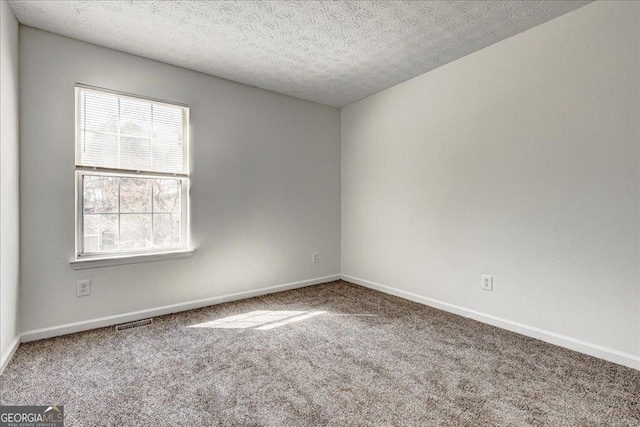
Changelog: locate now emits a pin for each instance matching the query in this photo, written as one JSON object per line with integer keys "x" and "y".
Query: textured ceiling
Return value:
{"x": 333, "y": 53}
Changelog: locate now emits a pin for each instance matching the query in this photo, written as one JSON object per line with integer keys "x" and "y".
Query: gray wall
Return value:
{"x": 265, "y": 189}
{"x": 520, "y": 161}
{"x": 9, "y": 200}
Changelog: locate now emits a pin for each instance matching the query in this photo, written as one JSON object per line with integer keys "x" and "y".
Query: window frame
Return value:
{"x": 104, "y": 258}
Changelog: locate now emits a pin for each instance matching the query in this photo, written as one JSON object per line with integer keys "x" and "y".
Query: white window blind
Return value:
{"x": 121, "y": 132}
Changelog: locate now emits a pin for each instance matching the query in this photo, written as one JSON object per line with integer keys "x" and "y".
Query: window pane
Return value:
{"x": 100, "y": 112}
{"x": 135, "y": 153}
{"x": 168, "y": 156}
{"x": 100, "y": 233}
{"x": 100, "y": 194}
{"x": 167, "y": 122}
{"x": 166, "y": 195}
{"x": 167, "y": 230}
{"x": 135, "y": 117}
{"x": 135, "y": 231}
{"x": 135, "y": 195}
{"x": 98, "y": 149}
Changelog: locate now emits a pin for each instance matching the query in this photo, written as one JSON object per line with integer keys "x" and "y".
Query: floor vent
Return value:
{"x": 132, "y": 325}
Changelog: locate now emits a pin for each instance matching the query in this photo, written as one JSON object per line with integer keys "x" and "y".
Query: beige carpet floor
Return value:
{"x": 335, "y": 354}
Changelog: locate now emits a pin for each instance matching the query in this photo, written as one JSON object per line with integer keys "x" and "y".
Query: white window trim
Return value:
{"x": 95, "y": 260}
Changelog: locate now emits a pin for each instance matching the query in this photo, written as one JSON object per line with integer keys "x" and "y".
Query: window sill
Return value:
{"x": 85, "y": 263}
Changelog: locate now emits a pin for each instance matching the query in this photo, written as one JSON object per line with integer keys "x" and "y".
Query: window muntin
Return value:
{"x": 131, "y": 174}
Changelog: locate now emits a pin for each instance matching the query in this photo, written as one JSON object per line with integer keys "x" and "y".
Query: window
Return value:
{"x": 132, "y": 175}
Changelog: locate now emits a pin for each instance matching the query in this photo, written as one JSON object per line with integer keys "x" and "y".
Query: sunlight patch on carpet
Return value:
{"x": 259, "y": 319}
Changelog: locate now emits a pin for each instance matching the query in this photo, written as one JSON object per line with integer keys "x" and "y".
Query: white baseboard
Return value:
{"x": 590, "y": 349}
{"x": 7, "y": 355}
{"x": 70, "y": 328}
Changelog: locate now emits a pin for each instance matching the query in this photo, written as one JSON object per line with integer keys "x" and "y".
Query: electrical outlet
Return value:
{"x": 487, "y": 282}
{"x": 315, "y": 257}
{"x": 83, "y": 288}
